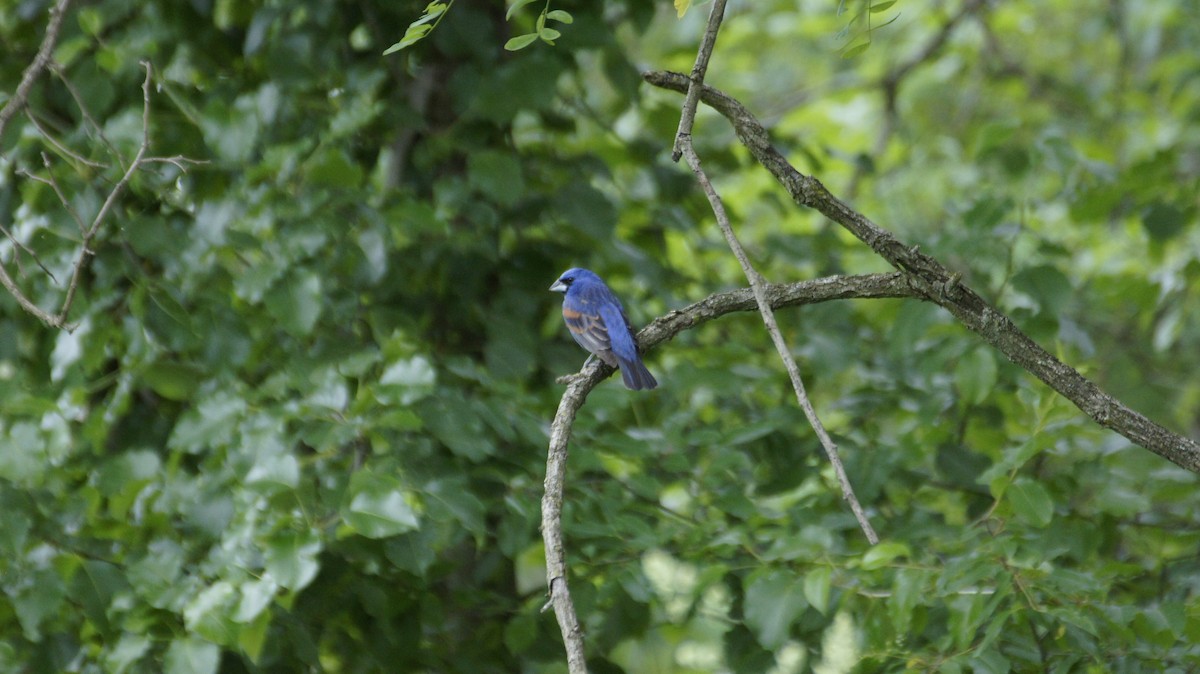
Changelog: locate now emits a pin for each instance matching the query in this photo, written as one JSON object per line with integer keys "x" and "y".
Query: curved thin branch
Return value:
{"x": 40, "y": 62}
{"x": 944, "y": 288}
{"x": 85, "y": 251}
{"x": 19, "y": 100}
{"x": 684, "y": 147}
{"x": 661, "y": 330}
{"x": 87, "y": 230}
{"x": 691, "y": 101}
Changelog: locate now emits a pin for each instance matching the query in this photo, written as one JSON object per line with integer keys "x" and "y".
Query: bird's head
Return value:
{"x": 571, "y": 276}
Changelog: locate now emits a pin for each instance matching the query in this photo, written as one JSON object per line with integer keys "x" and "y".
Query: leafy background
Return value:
{"x": 301, "y": 425}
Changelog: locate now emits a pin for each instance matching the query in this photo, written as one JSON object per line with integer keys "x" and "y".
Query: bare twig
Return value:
{"x": 19, "y": 100}
{"x": 684, "y": 146}
{"x": 688, "y": 117}
{"x": 661, "y": 330}
{"x": 785, "y": 353}
{"x": 62, "y": 198}
{"x": 87, "y": 116}
{"x": 88, "y": 230}
{"x": 25, "y": 302}
{"x": 178, "y": 161}
{"x": 85, "y": 251}
{"x": 945, "y": 288}
{"x": 40, "y": 62}
{"x": 22, "y": 247}
{"x": 58, "y": 145}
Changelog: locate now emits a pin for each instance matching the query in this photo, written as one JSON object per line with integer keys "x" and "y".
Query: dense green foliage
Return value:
{"x": 302, "y": 423}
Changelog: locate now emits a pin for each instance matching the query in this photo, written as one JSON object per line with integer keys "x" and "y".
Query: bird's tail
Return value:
{"x": 636, "y": 376}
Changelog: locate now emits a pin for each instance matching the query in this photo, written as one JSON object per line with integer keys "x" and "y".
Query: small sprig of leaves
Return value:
{"x": 861, "y": 40}
{"x": 541, "y": 30}
{"x": 436, "y": 11}
{"x": 417, "y": 30}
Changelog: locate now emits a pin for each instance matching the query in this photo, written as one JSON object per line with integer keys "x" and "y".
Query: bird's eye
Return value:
{"x": 568, "y": 280}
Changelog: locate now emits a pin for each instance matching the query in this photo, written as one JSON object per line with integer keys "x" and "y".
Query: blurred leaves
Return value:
{"x": 302, "y": 423}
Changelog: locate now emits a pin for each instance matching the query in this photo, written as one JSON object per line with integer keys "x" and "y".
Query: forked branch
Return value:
{"x": 684, "y": 147}
{"x": 945, "y": 288}
{"x": 657, "y": 332}
{"x": 88, "y": 229}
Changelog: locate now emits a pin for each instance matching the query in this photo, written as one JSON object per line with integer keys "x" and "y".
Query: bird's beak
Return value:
{"x": 559, "y": 287}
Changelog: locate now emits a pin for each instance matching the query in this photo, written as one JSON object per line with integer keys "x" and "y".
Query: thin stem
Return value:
{"x": 685, "y": 148}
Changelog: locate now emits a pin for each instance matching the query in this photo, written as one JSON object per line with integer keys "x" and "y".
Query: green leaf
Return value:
{"x": 587, "y": 210}
{"x": 497, "y": 175}
{"x": 334, "y": 168}
{"x": 128, "y": 650}
{"x": 1048, "y": 286}
{"x": 851, "y": 52}
{"x": 41, "y": 597}
{"x": 530, "y": 569}
{"x": 432, "y": 11}
{"x": 379, "y": 507}
{"x": 210, "y": 614}
{"x": 91, "y": 20}
{"x": 774, "y": 600}
{"x": 414, "y": 551}
{"x": 881, "y": 6}
{"x": 189, "y": 655}
{"x": 208, "y": 424}
{"x": 1030, "y": 501}
{"x": 681, "y": 7}
{"x": 173, "y": 381}
{"x": 521, "y": 41}
{"x": 231, "y": 131}
{"x": 561, "y": 16}
{"x": 907, "y": 589}
{"x": 23, "y": 454}
{"x": 456, "y": 423}
{"x": 453, "y": 495}
{"x": 273, "y": 472}
{"x": 517, "y": 4}
{"x": 419, "y": 29}
{"x": 257, "y": 595}
{"x": 253, "y": 637}
{"x": 817, "y": 585}
{"x": 975, "y": 375}
{"x": 884, "y": 554}
{"x": 95, "y": 584}
{"x": 296, "y": 302}
{"x": 412, "y": 36}
{"x": 406, "y": 381}
{"x": 549, "y": 34}
{"x": 1164, "y": 221}
{"x": 520, "y": 632}
{"x": 291, "y": 558}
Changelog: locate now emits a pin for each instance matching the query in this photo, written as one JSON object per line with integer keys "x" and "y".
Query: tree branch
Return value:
{"x": 684, "y": 147}
{"x": 85, "y": 251}
{"x": 944, "y": 288}
{"x": 663, "y": 329}
{"x": 88, "y": 230}
{"x": 690, "y": 102}
{"x": 40, "y": 62}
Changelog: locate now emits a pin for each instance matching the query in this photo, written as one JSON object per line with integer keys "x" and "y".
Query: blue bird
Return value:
{"x": 598, "y": 323}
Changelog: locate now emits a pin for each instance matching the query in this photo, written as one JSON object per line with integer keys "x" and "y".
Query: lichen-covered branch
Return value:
{"x": 944, "y": 288}
{"x": 661, "y": 330}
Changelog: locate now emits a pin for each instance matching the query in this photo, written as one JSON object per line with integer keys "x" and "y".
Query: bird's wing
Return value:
{"x": 586, "y": 326}
{"x": 620, "y": 333}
